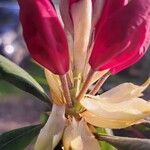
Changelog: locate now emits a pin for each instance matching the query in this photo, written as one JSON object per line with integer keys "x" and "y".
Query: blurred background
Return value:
{"x": 18, "y": 109}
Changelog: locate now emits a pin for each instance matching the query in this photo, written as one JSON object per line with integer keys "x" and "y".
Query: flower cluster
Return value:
{"x": 83, "y": 42}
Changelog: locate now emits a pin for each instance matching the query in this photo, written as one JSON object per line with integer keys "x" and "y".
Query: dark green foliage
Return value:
{"x": 19, "y": 139}
{"x": 20, "y": 78}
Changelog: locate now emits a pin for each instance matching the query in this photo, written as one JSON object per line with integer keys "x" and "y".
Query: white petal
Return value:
{"x": 81, "y": 12}
{"x": 124, "y": 92}
{"x": 117, "y": 114}
{"x": 118, "y": 108}
{"x": 77, "y": 136}
{"x": 106, "y": 123}
{"x": 55, "y": 87}
{"x": 51, "y": 133}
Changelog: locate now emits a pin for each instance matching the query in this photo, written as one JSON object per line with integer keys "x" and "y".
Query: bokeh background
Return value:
{"x": 18, "y": 109}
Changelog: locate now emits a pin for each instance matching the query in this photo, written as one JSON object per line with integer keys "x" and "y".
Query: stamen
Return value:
{"x": 70, "y": 84}
{"x": 66, "y": 91}
{"x": 86, "y": 85}
{"x": 99, "y": 83}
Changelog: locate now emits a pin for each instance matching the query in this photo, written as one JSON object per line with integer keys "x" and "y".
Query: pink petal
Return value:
{"x": 110, "y": 7}
{"x": 137, "y": 56}
{"x": 44, "y": 35}
{"x": 118, "y": 33}
{"x": 131, "y": 51}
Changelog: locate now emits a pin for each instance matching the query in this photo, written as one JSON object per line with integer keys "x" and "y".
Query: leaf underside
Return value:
{"x": 125, "y": 143}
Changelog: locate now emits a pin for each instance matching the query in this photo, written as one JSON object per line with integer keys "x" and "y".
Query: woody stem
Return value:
{"x": 65, "y": 88}
{"x": 99, "y": 83}
{"x": 86, "y": 85}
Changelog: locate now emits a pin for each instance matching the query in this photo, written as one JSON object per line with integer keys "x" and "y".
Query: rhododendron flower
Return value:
{"x": 45, "y": 38}
{"x": 44, "y": 35}
{"x": 119, "y": 107}
{"x": 97, "y": 38}
{"x": 121, "y": 36}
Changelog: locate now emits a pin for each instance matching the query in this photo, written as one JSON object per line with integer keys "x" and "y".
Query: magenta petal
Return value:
{"x": 64, "y": 7}
{"x": 110, "y": 7}
{"x": 131, "y": 51}
{"x": 132, "y": 59}
{"x": 44, "y": 35}
{"x": 118, "y": 33}
{"x": 65, "y": 10}
{"x": 73, "y": 1}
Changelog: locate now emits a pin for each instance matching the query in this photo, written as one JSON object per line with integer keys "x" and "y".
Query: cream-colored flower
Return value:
{"x": 77, "y": 136}
{"x": 51, "y": 133}
{"x": 119, "y": 107}
{"x": 55, "y": 87}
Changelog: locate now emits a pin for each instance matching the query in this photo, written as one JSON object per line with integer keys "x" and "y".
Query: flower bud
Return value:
{"x": 122, "y": 33}
{"x": 44, "y": 35}
{"x": 106, "y": 9}
{"x": 81, "y": 14}
{"x": 136, "y": 56}
{"x": 134, "y": 52}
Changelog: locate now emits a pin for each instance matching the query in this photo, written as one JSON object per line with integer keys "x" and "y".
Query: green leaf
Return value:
{"x": 104, "y": 145}
{"x": 19, "y": 139}
{"x": 44, "y": 117}
{"x": 145, "y": 127}
{"x": 15, "y": 75}
{"x": 125, "y": 143}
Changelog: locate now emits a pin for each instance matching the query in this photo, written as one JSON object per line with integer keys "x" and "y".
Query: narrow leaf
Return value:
{"x": 19, "y": 139}
{"x": 125, "y": 143}
{"x": 15, "y": 75}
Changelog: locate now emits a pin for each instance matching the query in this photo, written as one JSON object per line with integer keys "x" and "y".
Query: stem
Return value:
{"x": 65, "y": 88}
{"x": 99, "y": 83}
{"x": 86, "y": 85}
{"x": 70, "y": 85}
{"x": 98, "y": 137}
